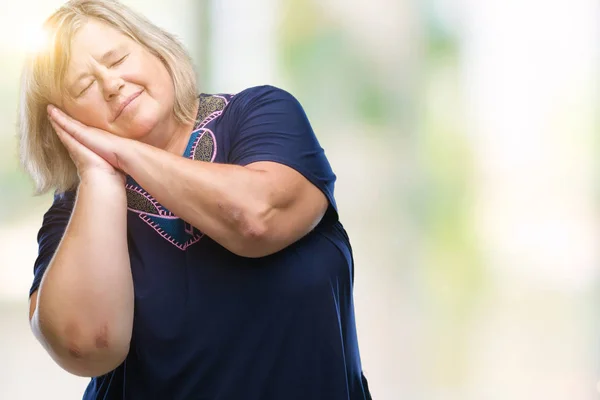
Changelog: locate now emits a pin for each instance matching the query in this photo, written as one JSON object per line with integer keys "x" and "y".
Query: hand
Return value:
{"x": 90, "y": 149}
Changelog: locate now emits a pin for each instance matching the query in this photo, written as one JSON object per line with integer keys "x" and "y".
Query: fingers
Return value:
{"x": 85, "y": 144}
{"x": 68, "y": 124}
{"x": 71, "y": 144}
{"x": 83, "y": 157}
{"x": 65, "y": 138}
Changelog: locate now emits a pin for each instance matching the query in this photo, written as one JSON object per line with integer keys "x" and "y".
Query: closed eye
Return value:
{"x": 120, "y": 61}
{"x": 86, "y": 88}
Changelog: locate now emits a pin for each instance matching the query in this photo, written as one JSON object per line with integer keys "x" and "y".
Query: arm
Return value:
{"x": 254, "y": 208}
{"x": 82, "y": 312}
{"x": 252, "y": 211}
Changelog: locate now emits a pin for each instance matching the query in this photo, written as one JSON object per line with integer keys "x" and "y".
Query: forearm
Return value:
{"x": 85, "y": 301}
{"x": 229, "y": 203}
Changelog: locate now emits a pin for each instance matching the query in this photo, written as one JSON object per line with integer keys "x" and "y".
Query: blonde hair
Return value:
{"x": 42, "y": 154}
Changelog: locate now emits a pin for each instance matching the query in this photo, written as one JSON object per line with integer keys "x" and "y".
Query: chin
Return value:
{"x": 140, "y": 127}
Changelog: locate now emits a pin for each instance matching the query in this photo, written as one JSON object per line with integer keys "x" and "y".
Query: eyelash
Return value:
{"x": 119, "y": 61}
{"x": 87, "y": 87}
{"x": 112, "y": 65}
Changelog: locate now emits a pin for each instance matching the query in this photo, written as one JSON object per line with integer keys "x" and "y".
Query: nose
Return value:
{"x": 111, "y": 86}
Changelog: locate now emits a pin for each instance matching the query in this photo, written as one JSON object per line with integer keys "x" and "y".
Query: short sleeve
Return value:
{"x": 271, "y": 125}
{"x": 50, "y": 234}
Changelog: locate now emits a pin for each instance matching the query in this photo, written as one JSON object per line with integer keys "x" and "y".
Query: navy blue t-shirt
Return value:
{"x": 211, "y": 325}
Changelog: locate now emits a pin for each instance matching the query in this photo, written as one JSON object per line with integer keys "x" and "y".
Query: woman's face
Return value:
{"x": 115, "y": 84}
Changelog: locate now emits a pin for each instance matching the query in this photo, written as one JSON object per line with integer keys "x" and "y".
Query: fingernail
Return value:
{"x": 50, "y": 109}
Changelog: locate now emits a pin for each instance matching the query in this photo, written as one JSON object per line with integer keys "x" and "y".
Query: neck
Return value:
{"x": 177, "y": 138}
{"x": 177, "y": 141}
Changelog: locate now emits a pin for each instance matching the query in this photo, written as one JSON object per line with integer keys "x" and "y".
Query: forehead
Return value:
{"x": 94, "y": 39}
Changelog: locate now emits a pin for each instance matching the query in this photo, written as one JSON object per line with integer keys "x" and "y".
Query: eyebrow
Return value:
{"x": 107, "y": 56}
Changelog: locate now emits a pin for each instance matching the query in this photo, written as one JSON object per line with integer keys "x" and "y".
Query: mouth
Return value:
{"x": 126, "y": 102}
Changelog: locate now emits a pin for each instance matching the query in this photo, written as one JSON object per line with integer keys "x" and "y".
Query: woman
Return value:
{"x": 193, "y": 249}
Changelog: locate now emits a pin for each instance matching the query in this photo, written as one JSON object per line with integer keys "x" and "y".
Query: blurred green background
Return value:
{"x": 463, "y": 135}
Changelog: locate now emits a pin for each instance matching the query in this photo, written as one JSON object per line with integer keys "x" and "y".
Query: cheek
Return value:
{"x": 89, "y": 112}
{"x": 157, "y": 78}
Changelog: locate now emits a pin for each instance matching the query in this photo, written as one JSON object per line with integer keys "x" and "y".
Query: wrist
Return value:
{"x": 96, "y": 177}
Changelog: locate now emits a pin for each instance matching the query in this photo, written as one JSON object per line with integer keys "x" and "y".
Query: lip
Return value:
{"x": 126, "y": 102}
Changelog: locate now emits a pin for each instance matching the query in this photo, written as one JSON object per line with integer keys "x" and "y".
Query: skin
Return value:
{"x": 83, "y": 311}
{"x": 105, "y": 69}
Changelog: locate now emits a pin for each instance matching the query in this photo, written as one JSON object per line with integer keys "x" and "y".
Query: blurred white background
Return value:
{"x": 464, "y": 137}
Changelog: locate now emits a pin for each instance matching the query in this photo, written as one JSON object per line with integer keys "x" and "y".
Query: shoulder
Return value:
{"x": 262, "y": 95}
{"x": 269, "y": 90}
{"x": 59, "y": 211}
{"x": 246, "y": 100}
{"x": 63, "y": 201}
{"x": 265, "y": 97}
